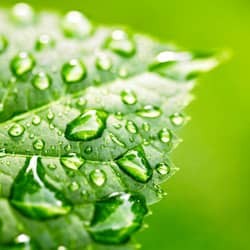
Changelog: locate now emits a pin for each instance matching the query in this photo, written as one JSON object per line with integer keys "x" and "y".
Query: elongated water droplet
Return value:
{"x": 98, "y": 177}
{"x": 87, "y": 126}
{"x": 41, "y": 81}
{"x": 50, "y": 115}
{"x": 162, "y": 168}
{"x": 149, "y": 111}
{"x": 165, "y": 135}
{"x": 145, "y": 126}
{"x": 3, "y": 43}
{"x": 136, "y": 165}
{"x": 36, "y": 120}
{"x": 72, "y": 161}
{"x": 74, "y": 71}
{"x": 22, "y": 64}
{"x": 116, "y": 140}
{"x": 121, "y": 43}
{"x": 131, "y": 127}
{"x": 16, "y": 130}
{"x": 103, "y": 62}
{"x": 117, "y": 217}
{"x": 128, "y": 97}
{"x": 43, "y": 42}
{"x": 177, "y": 119}
{"x": 75, "y": 24}
{"x": 39, "y": 144}
{"x": 32, "y": 197}
{"x": 23, "y": 13}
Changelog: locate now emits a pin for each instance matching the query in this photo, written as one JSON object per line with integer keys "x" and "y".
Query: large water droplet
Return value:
{"x": 75, "y": 24}
{"x": 73, "y": 71}
{"x": 41, "y": 81}
{"x": 149, "y": 111}
{"x": 32, "y": 197}
{"x": 103, "y": 62}
{"x": 87, "y": 126}
{"x": 39, "y": 144}
{"x": 177, "y": 119}
{"x": 16, "y": 130}
{"x": 165, "y": 135}
{"x": 98, "y": 177}
{"x": 128, "y": 97}
{"x": 131, "y": 127}
{"x": 3, "y": 43}
{"x": 23, "y": 13}
{"x": 162, "y": 168}
{"x": 135, "y": 164}
{"x": 121, "y": 43}
{"x": 22, "y": 64}
{"x": 43, "y": 42}
{"x": 72, "y": 161}
{"x": 117, "y": 217}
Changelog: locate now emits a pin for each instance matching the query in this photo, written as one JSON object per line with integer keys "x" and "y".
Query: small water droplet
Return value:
{"x": 72, "y": 161}
{"x": 3, "y": 43}
{"x": 177, "y": 119}
{"x": 98, "y": 177}
{"x": 41, "y": 81}
{"x": 75, "y": 24}
{"x": 22, "y": 64}
{"x": 121, "y": 43}
{"x": 16, "y": 130}
{"x": 36, "y": 120}
{"x": 145, "y": 126}
{"x": 23, "y": 13}
{"x": 50, "y": 115}
{"x": 128, "y": 97}
{"x": 162, "y": 168}
{"x": 149, "y": 111}
{"x": 52, "y": 166}
{"x": 103, "y": 62}
{"x": 74, "y": 71}
{"x": 165, "y": 135}
{"x": 44, "y": 41}
{"x": 2, "y": 152}
{"x": 81, "y": 102}
{"x": 39, "y": 144}
{"x": 87, "y": 126}
{"x": 117, "y": 217}
{"x": 131, "y": 127}
{"x": 123, "y": 72}
{"x": 88, "y": 150}
{"x": 136, "y": 165}
{"x": 74, "y": 186}
{"x": 68, "y": 147}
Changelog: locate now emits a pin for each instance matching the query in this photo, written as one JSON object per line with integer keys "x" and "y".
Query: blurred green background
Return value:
{"x": 208, "y": 204}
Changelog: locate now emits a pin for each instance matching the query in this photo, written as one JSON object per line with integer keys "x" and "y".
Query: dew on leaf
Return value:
{"x": 44, "y": 41}
{"x": 116, "y": 140}
{"x": 135, "y": 164}
{"x": 22, "y": 64}
{"x": 117, "y": 217}
{"x": 72, "y": 161}
{"x": 98, "y": 177}
{"x": 41, "y": 81}
{"x": 23, "y": 13}
{"x": 149, "y": 111}
{"x": 131, "y": 127}
{"x": 74, "y": 186}
{"x": 103, "y": 62}
{"x": 50, "y": 115}
{"x": 165, "y": 135}
{"x": 3, "y": 43}
{"x": 16, "y": 130}
{"x": 177, "y": 119}
{"x": 36, "y": 120}
{"x": 162, "y": 168}
{"x": 87, "y": 126}
{"x": 88, "y": 150}
{"x": 145, "y": 126}
{"x": 128, "y": 97}
{"x": 39, "y": 144}
{"x": 73, "y": 71}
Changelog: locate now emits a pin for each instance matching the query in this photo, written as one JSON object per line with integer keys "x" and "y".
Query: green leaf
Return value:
{"x": 88, "y": 118}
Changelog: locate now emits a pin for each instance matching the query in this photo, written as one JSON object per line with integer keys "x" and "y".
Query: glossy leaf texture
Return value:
{"x": 88, "y": 118}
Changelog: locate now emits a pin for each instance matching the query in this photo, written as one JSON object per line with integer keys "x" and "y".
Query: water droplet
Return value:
{"x": 149, "y": 112}
{"x": 116, "y": 140}
{"x": 87, "y": 126}
{"x": 165, "y": 135}
{"x": 128, "y": 97}
{"x": 22, "y": 64}
{"x": 74, "y": 71}
{"x": 72, "y": 161}
{"x": 81, "y": 102}
{"x": 162, "y": 168}
{"x": 22, "y": 13}
{"x": 74, "y": 186}
{"x": 3, "y": 43}
{"x": 22, "y": 238}
{"x": 131, "y": 127}
{"x": 52, "y": 166}
{"x": 136, "y": 165}
{"x": 145, "y": 126}
{"x": 43, "y": 42}
{"x": 75, "y": 24}
{"x": 2, "y": 152}
{"x": 16, "y": 130}
{"x": 68, "y": 147}
{"x": 41, "y": 81}
{"x": 121, "y": 43}
{"x": 39, "y": 144}
{"x": 88, "y": 150}
{"x": 50, "y": 115}
{"x": 177, "y": 119}
{"x": 123, "y": 72}
{"x": 103, "y": 62}
{"x": 98, "y": 177}
{"x": 117, "y": 217}
{"x": 32, "y": 197}
{"x": 36, "y": 120}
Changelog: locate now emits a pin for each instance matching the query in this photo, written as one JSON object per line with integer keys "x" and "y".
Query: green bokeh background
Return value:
{"x": 208, "y": 204}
